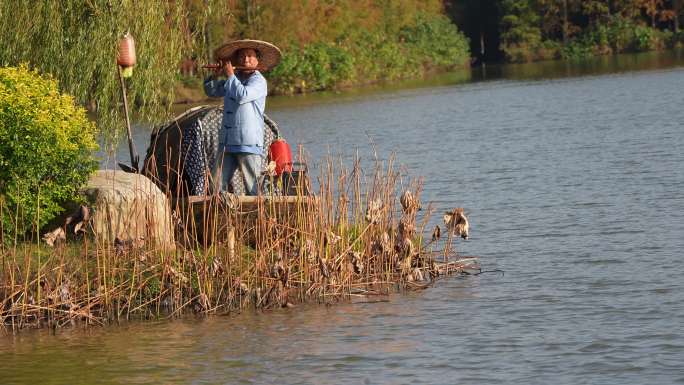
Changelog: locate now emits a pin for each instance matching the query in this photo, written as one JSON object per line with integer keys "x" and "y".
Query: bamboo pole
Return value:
{"x": 131, "y": 146}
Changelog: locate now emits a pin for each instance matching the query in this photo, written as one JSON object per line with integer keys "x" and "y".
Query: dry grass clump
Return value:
{"x": 361, "y": 234}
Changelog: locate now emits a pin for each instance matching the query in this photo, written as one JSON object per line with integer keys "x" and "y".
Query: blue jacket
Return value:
{"x": 244, "y": 102}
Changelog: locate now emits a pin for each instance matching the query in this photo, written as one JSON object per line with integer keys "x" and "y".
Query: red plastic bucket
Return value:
{"x": 280, "y": 152}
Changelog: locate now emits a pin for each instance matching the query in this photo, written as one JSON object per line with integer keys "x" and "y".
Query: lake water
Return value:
{"x": 573, "y": 178}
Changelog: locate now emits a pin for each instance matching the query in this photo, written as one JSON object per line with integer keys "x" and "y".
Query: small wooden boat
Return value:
{"x": 205, "y": 218}
{"x": 179, "y": 159}
{"x": 183, "y": 151}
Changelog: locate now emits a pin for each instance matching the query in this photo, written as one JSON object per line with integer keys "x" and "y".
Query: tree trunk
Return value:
{"x": 482, "y": 45}
{"x": 565, "y": 22}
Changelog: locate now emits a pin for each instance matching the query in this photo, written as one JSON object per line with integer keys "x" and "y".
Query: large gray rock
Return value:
{"x": 129, "y": 207}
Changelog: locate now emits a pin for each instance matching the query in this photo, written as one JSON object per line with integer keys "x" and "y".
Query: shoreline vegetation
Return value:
{"x": 531, "y": 30}
{"x": 617, "y": 35}
{"x": 354, "y": 241}
{"x": 326, "y": 45}
{"x": 357, "y": 237}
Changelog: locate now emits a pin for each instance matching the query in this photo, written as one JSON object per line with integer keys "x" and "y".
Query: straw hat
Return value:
{"x": 269, "y": 53}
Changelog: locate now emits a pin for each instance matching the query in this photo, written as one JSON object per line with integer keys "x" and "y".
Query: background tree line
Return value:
{"x": 526, "y": 30}
{"x": 326, "y": 44}
{"x": 334, "y": 43}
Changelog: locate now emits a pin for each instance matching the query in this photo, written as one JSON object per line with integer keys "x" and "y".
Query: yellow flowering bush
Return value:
{"x": 47, "y": 146}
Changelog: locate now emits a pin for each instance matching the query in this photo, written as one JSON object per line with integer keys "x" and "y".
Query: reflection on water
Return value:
{"x": 574, "y": 188}
{"x": 600, "y": 65}
{"x": 528, "y": 71}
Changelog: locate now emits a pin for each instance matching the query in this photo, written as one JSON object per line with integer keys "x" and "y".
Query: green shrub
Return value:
{"x": 619, "y": 35}
{"x": 315, "y": 67}
{"x": 437, "y": 41}
{"x": 362, "y": 56}
{"x": 619, "y": 32}
{"x": 644, "y": 38}
{"x": 578, "y": 49}
{"x": 46, "y": 150}
{"x": 382, "y": 57}
{"x": 677, "y": 40}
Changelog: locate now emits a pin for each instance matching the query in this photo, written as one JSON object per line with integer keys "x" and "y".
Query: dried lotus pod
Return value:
{"x": 418, "y": 274}
{"x": 323, "y": 266}
{"x": 330, "y": 238}
{"x": 409, "y": 203}
{"x": 176, "y": 275}
{"x": 55, "y": 236}
{"x": 215, "y": 269}
{"x": 79, "y": 218}
{"x": 436, "y": 233}
{"x": 374, "y": 211}
{"x": 356, "y": 262}
{"x": 406, "y": 228}
{"x": 456, "y": 222}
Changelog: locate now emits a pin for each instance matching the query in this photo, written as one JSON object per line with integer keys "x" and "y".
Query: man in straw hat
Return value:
{"x": 241, "y": 137}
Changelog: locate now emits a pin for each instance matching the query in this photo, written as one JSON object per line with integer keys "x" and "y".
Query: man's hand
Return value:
{"x": 225, "y": 68}
{"x": 228, "y": 69}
